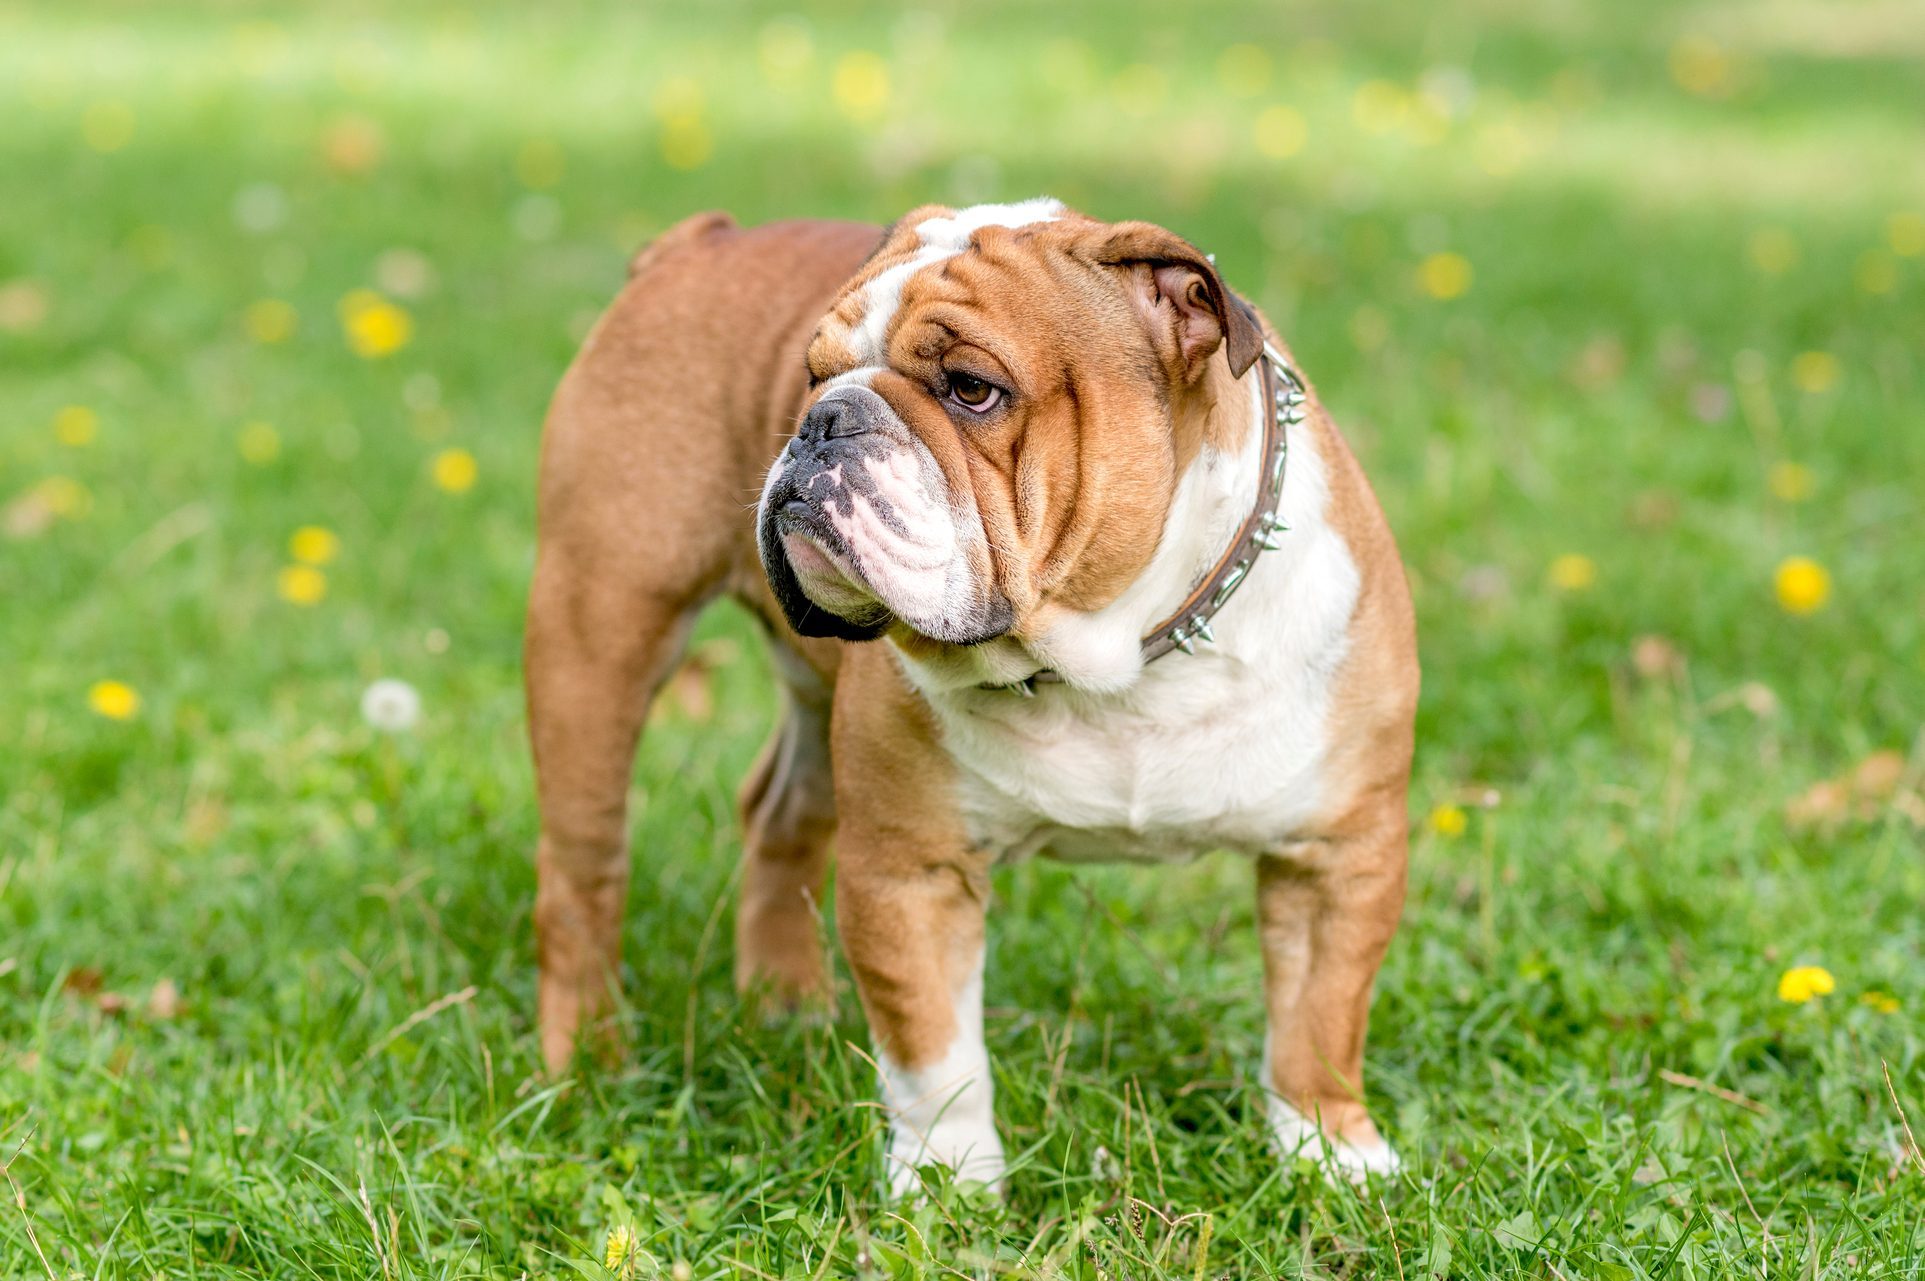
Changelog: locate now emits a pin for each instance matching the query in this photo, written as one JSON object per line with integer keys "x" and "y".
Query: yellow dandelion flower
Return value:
{"x": 1802, "y": 983}
{"x": 861, "y": 85}
{"x": 374, "y": 326}
{"x": 259, "y": 443}
{"x": 540, "y": 164}
{"x": 1449, "y": 820}
{"x": 1877, "y": 272}
{"x": 107, "y": 126}
{"x": 116, "y": 700}
{"x": 1572, "y": 572}
{"x": 76, "y": 426}
{"x": 1379, "y": 106}
{"x": 1280, "y": 132}
{"x": 686, "y": 143}
{"x": 64, "y": 496}
{"x": 1883, "y": 1002}
{"x": 314, "y": 545}
{"x": 1814, "y": 371}
{"x": 455, "y": 470}
{"x": 1905, "y": 233}
{"x": 1773, "y": 250}
{"x": 1700, "y": 67}
{"x": 1803, "y": 585}
{"x": 620, "y": 1248}
{"x": 1445, "y": 276}
{"x": 270, "y": 320}
{"x": 302, "y": 585}
{"x": 1243, "y": 70}
{"x": 1791, "y": 482}
{"x": 677, "y": 96}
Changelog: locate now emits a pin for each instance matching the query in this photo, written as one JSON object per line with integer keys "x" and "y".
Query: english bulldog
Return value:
{"x": 1058, "y": 554}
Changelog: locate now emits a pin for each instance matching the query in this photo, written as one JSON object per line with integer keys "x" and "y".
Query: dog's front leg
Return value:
{"x": 1326, "y": 914}
{"x": 910, "y": 901}
{"x": 914, "y": 939}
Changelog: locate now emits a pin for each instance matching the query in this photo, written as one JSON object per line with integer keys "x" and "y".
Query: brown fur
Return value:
{"x": 655, "y": 448}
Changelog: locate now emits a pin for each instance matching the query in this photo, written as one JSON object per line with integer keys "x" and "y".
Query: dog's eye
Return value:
{"x": 973, "y": 394}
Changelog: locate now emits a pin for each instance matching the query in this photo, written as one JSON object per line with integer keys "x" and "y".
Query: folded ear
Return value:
{"x": 1189, "y": 310}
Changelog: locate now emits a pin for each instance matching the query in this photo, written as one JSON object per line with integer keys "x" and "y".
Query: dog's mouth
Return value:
{"x": 814, "y": 575}
{"x": 825, "y": 570}
{"x": 821, "y": 583}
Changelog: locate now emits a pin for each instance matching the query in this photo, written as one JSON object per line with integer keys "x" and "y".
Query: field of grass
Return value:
{"x": 1623, "y": 307}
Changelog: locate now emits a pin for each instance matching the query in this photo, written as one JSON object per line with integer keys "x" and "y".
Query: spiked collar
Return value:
{"x": 1189, "y": 625}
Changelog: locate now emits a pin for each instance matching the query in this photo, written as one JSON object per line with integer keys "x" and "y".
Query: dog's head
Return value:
{"x": 1002, "y": 401}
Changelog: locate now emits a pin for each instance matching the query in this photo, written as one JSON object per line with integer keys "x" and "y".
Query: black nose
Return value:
{"x": 833, "y": 419}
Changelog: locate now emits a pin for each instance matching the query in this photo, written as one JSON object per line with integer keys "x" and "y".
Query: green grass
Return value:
{"x": 1617, "y": 382}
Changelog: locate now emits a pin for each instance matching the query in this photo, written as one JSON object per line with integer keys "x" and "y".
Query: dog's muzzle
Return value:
{"x": 856, "y": 529}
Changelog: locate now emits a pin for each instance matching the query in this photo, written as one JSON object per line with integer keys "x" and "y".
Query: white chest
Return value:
{"x": 1238, "y": 768}
{"x": 1222, "y": 749}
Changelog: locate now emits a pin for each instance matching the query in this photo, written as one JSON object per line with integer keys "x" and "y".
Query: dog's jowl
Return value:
{"x": 1060, "y": 555}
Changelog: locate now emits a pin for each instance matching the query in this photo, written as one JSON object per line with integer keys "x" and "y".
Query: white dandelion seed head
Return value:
{"x": 390, "y": 705}
{"x": 1103, "y": 1167}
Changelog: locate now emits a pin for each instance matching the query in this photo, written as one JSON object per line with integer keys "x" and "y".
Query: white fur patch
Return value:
{"x": 1295, "y": 1134}
{"x": 1223, "y": 748}
{"x": 943, "y": 1113}
{"x": 941, "y": 237}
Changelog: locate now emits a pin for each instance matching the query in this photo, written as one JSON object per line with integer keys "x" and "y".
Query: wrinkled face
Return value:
{"x": 1002, "y": 400}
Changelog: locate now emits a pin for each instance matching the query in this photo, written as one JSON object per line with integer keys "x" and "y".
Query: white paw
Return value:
{"x": 1296, "y": 1135}
{"x": 970, "y": 1148}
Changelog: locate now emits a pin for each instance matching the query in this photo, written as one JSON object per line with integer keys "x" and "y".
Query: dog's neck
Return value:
{"x": 1101, "y": 652}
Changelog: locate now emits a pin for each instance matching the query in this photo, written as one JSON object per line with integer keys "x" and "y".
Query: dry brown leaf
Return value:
{"x": 83, "y": 980}
{"x": 1878, "y": 775}
{"x": 164, "y": 1001}
{"x": 1654, "y": 657}
{"x": 1655, "y": 509}
{"x": 29, "y": 514}
{"x": 1600, "y": 363}
{"x": 1821, "y": 804}
{"x": 23, "y": 305}
{"x": 1864, "y": 793}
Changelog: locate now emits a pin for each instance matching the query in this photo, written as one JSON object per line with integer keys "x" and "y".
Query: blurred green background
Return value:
{"x": 1623, "y": 307}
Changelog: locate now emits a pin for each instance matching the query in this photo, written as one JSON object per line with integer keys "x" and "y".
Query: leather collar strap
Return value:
{"x": 1189, "y": 625}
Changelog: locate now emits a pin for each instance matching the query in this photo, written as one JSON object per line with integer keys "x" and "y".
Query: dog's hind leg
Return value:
{"x": 788, "y": 819}
{"x": 595, "y": 656}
